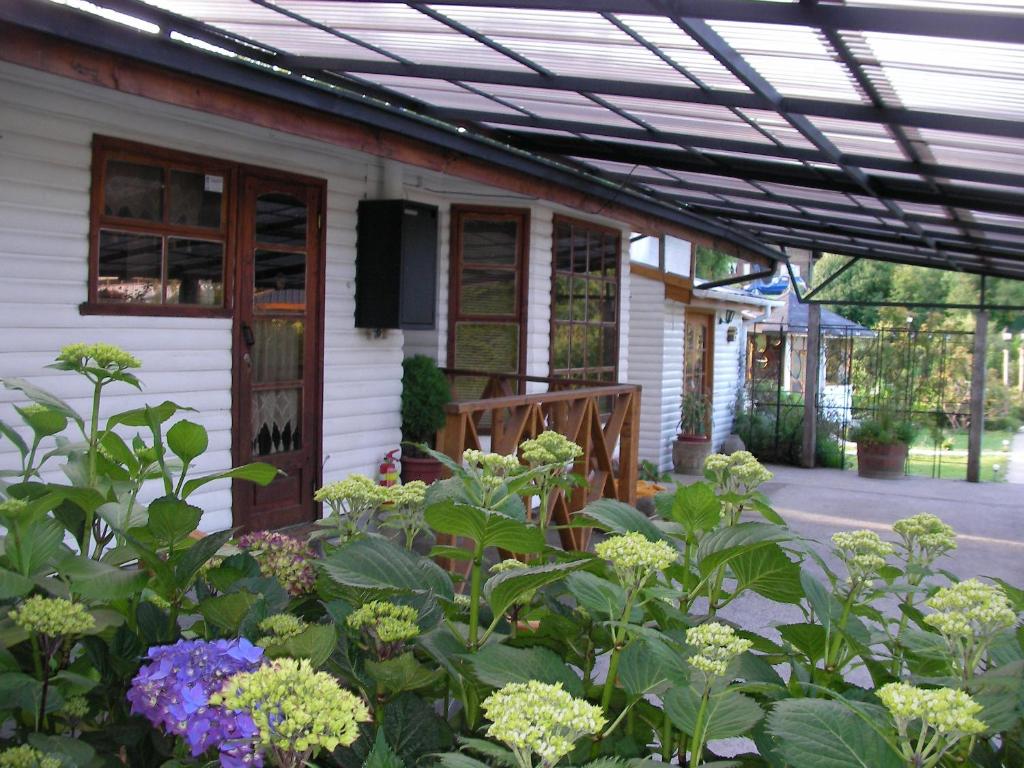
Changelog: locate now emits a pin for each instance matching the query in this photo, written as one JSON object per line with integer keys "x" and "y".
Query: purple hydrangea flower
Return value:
{"x": 173, "y": 693}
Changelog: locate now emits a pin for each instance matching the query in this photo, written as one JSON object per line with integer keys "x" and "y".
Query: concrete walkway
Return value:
{"x": 1015, "y": 470}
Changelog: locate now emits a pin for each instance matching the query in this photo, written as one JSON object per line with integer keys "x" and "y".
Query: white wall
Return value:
{"x": 46, "y": 128}
{"x": 728, "y": 376}
{"x": 656, "y": 363}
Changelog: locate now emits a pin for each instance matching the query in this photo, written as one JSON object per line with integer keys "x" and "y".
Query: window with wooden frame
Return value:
{"x": 487, "y": 300}
{"x": 585, "y": 301}
{"x": 161, "y": 227}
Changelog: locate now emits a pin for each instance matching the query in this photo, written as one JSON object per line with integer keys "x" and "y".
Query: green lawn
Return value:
{"x": 951, "y": 462}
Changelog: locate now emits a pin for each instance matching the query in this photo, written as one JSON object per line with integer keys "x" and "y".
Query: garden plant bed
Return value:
{"x": 140, "y": 644}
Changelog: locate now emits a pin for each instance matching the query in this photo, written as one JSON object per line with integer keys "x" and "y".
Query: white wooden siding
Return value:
{"x": 46, "y": 128}
{"x": 728, "y": 359}
{"x": 656, "y": 363}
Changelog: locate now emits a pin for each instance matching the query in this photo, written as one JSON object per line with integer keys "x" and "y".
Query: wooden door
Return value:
{"x": 278, "y": 347}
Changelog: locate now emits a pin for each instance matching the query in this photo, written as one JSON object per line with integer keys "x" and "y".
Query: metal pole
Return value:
{"x": 811, "y": 387}
{"x": 977, "y": 428}
{"x": 1020, "y": 367}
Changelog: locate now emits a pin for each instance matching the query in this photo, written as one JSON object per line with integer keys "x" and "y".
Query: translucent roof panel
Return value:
{"x": 564, "y": 42}
{"x": 817, "y": 98}
{"x": 859, "y": 138}
{"x": 699, "y": 119}
{"x": 682, "y": 49}
{"x": 795, "y": 60}
{"x": 437, "y": 92}
{"x": 403, "y": 31}
{"x": 923, "y": 73}
{"x": 268, "y": 27}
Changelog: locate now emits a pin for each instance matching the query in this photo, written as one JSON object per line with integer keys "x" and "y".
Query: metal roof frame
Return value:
{"x": 804, "y": 189}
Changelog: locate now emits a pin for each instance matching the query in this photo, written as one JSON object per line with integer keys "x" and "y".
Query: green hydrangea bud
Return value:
{"x": 278, "y": 627}
{"x": 925, "y": 538}
{"x": 295, "y": 709}
{"x": 492, "y": 464}
{"x": 863, "y": 552}
{"x": 13, "y": 509}
{"x": 716, "y": 646}
{"x": 25, "y": 756}
{"x": 946, "y": 716}
{"x": 75, "y": 707}
{"x": 387, "y": 622}
{"x": 408, "y": 494}
{"x": 635, "y": 557}
{"x": 355, "y": 490}
{"x": 52, "y": 616}
{"x": 970, "y": 609}
{"x": 100, "y": 355}
{"x": 549, "y": 447}
{"x": 535, "y": 718}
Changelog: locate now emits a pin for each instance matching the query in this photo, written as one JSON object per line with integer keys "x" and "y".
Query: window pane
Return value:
{"x": 488, "y": 292}
{"x": 195, "y": 272}
{"x": 129, "y": 268}
{"x": 677, "y": 256}
{"x": 595, "y": 250}
{"x": 563, "y": 247}
{"x": 280, "y": 280}
{"x": 579, "y": 250}
{"x": 608, "y": 303}
{"x": 133, "y": 191}
{"x": 489, "y": 242}
{"x": 275, "y": 421}
{"x": 561, "y": 297}
{"x": 280, "y": 219}
{"x": 611, "y": 256}
{"x": 278, "y": 351}
{"x": 578, "y": 347}
{"x": 560, "y": 347}
{"x": 195, "y": 199}
{"x": 645, "y": 251}
{"x": 490, "y": 347}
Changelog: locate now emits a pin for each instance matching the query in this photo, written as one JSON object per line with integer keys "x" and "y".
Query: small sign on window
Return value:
{"x": 213, "y": 184}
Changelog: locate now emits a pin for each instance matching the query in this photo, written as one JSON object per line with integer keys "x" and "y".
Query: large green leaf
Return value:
{"x": 616, "y": 517}
{"x": 228, "y": 611}
{"x": 316, "y": 643}
{"x": 147, "y": 415}
{"x": 44, "y": 422}
{"x": 187, "y": 440}
{"x": 694, "y": 506}
{"x": 487, "y": 528}
{"x": 649, "y": 666}
{"x": 374, "y": 563}
{"x": 496, "y": 665}
{"x": 724, "y": 545}
{"x": 35, "y": 547}
{"x": 820, "y": 733}
{"x": 599, "y": 596}
{"x": 14, "y": 584}
{"x": 809, "y": 639}
{"x": 257, "y": 472}
{"x": 196, "y": 556}
{"x": 94, "y": 580}
{"x": 41, "y": 396}
{"x": 6, "y": 430}
{"x": 403, "y": 673}
{"x": 171, "y": 519}
{"x": 504, "y": 589}
{"x": 767, "y": 570}
{"x": 729, "y": 713}
{"x": 382, "y": 755}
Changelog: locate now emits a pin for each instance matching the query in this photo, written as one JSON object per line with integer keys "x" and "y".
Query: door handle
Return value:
{"x": 247, "y": 335}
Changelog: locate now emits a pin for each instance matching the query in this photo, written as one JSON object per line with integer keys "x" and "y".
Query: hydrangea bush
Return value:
{"x": 125, "y": 639}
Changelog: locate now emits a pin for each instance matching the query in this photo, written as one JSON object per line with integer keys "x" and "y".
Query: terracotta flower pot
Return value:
{"x": 689, "y": 454}
{"x": 426, "y": 469}
{"x": 884, "y": 462}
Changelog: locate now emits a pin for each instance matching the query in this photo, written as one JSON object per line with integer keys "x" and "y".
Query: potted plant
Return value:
{"x": 693, "y": 443}
{"x": 882, "y": 443}
{"x": 425, "y": 393}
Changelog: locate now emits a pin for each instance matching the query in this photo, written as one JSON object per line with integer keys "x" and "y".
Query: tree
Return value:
{"x": 865, "y": 281}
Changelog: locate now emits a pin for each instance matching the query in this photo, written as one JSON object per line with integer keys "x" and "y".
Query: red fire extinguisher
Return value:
{"x": 388, "y": 469}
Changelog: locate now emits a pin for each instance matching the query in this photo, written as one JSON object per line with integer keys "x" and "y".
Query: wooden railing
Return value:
{"x": 596, "y": 416}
